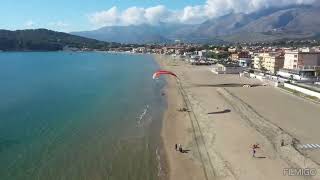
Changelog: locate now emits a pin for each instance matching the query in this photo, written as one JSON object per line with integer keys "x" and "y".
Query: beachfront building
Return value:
{"x": 300, "y": 74}
{"x": 269, "y": 62}
{"x": 245, "y": 62}
{"x": 302, "y": 59}
{"x": 227, "y": 69}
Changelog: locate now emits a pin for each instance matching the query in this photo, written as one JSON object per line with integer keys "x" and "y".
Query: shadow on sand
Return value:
{"x": 185, "y": 151}
{"x": 260, "y": 157}
{"x": 220, "y": 112}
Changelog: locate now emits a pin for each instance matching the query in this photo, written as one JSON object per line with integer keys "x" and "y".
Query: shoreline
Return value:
{"x": 176, "y": 130}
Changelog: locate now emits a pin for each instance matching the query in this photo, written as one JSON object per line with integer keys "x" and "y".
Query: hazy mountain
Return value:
{"x": 144, "y": 33}
{"x": 44, "y": 40}
{"x": 268, "y": 24}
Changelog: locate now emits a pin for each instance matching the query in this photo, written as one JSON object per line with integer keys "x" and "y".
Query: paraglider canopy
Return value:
{"x": 162, "y": 72}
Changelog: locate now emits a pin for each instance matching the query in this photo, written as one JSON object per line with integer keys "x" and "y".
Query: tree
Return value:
{"x": 318, "y": 72}
{"x": 261, "y": 67}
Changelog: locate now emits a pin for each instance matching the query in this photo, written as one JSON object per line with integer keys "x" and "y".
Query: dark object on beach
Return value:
{"x": 176, "y": 147}
{"x": 282, "y": 142}
{"x": 185, "y": 151}
{"x": 254, "y": 147}
{"x": 180, "y": 148}
{"x": 220, "y": 112}
{"x": 183, "y": 109}
{"x": 163, "y": 94}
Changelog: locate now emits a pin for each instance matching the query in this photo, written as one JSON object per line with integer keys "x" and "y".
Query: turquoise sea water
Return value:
{"x": 66, "y": 116}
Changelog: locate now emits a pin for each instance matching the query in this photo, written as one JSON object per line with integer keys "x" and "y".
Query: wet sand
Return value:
{"x": 221, "y": 128}
{"x": 176, "y": 129}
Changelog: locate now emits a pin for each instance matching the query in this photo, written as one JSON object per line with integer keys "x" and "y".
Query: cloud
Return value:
{"x": 131, "y": 16}
{"x": 158, "y": 14}
{"x": 189, "y": 14}
{"x": 105, "y": 18}
{"x": 220, "y": 7}
{"x": 29, "y": 24}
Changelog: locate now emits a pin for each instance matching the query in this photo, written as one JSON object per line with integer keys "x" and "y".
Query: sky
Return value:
{"x": 80, "y": 15}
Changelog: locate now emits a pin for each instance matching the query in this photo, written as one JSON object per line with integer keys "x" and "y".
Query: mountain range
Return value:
{"x": 292, "y": 22}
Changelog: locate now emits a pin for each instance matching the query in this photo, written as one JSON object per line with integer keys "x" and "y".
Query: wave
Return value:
{"x": 158, "y": 157}
{"x": 140, "y": 118}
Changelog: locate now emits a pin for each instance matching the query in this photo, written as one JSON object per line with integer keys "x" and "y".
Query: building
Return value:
{"x": 232, "y": 49}
{"x": 299, "y": 74}
{"x": 202, "y": 53}
{"x": 269, "y": 62}
{"x": 240, "y": 55}
{"x": 245, "y": 62}
{"x": 301, "y": 59}
{"x": 227, "y": 69}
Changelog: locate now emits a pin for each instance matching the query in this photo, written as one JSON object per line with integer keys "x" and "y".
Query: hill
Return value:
{"x": 292, "y": 22}
{"x": 45, "y": 40}
{"x": 140, "y": 34}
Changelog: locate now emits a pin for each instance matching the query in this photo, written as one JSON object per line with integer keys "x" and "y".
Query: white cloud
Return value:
{"x": 105, "y": 18}
{"x": 30, "y": 24}
{"x": 189, "y": 14}
{"x": 156, "y": 14}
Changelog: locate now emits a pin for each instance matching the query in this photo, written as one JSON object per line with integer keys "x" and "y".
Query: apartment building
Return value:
{"x": 269, "y": 62}
{"x": 302, "y": 59}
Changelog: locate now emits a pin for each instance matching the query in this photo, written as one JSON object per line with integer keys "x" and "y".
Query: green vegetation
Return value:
{"x": 46, "y": 40}
{"x": 223, "y": 55}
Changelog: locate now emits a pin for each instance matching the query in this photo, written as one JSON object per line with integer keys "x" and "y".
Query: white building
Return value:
{"x": 202, "y": 53}
{"x": 298, "y": 74}
{"x": 302, "y": 59}
{"x": 227, "y": 69}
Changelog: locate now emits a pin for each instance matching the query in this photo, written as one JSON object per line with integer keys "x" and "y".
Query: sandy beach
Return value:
{"x": 225, "y": 120}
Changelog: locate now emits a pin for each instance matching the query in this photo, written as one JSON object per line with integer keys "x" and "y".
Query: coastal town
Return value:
{"x": 274, "y": 65}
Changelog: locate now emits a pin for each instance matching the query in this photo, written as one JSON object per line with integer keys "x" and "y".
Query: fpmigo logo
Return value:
{"x": 299, "y": 172}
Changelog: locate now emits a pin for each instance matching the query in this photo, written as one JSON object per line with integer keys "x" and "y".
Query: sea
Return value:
{"x": 80, "y": 116}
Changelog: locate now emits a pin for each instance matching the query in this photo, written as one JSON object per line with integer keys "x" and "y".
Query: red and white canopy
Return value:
{"x": 162, "y": 72}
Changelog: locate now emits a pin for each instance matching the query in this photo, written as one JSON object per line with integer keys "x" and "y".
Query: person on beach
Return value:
{"x": 180, "y": 148}
{"x": 176, "y": 147}
{"x": 254, "y": 151}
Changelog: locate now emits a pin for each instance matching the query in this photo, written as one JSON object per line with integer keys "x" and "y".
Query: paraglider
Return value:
{"x": 162, "y": 72}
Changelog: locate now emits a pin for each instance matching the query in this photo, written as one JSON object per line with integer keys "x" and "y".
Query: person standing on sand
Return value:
{"x": 254, "y": 151}
{"x": 176, "y": 147}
